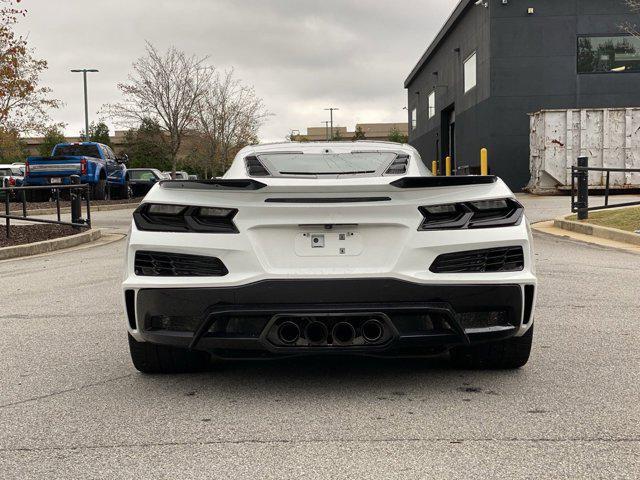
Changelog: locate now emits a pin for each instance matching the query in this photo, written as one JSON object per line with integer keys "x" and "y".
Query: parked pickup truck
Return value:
{"x": 96, "y": 164}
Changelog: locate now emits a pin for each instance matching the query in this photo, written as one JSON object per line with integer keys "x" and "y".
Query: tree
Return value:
{"x": 52, "y": 136}
{"x": 11, "y": 147}
{"x": 166, "y": 88}
{"x": 229, "y": 117}
{"x": 337, "y": 136}
{"x": 397, "y": 136}
{"x": 98, "y": 132}
{"x": 24, "y": 104}
{"x": 359, "y": 134}
{"x": 145, "y": 147}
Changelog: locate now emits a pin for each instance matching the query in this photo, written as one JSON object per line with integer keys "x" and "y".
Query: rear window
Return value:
{"x": 5, "y": 172}
{"x": 77, "y": 151}
{"x": 141, "y": 175}
{"x": 355, "y": 163}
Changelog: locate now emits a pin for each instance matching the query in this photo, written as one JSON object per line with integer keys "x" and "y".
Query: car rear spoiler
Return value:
{"x": 253, "y": 185}
{"x": 428, "y": 182}
{"x": 218, "y": 184}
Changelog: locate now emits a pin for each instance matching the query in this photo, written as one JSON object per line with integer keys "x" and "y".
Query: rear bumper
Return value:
{"x": 243, "y": 320}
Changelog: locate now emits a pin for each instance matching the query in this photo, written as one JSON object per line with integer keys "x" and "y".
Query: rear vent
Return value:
{"x": 130, "y": 298}
{"x": 160, "y": 264}
{"x": 399, "y": 166}
{"x": 255, "y": 168}
{"x": 507, "y": 259}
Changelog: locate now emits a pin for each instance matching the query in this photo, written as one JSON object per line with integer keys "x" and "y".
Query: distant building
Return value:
{"x": 372, "y": 131}
{"x": 496, "y": 61}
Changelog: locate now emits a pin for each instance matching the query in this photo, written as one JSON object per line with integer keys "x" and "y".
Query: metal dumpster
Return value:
{"x": 610, "y": 137}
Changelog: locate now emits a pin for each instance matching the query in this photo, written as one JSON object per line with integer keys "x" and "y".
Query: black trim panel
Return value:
{"x": 430, "y": 182}
{"x": 328, "y": 200}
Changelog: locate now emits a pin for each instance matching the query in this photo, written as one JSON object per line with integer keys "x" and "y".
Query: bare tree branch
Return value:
{"x": 229, "y": 117}
{"x": 165, "y": 87}
{"x": 630, "y": 27}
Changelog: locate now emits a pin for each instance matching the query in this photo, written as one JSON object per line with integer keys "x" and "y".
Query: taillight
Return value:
{"x": 83, "y": 166}
{"x": 12, "y": 182}
{"x": 482, "y": 214}
{"x": 179, "y": 218}
{"x": 27, "y": 170}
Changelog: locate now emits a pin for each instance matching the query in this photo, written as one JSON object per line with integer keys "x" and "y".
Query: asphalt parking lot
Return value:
{"x": 72, "y": 405}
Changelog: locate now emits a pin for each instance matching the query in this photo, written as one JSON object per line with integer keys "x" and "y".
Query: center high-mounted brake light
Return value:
{"x": 157, "y": 217}
{"x": 503, "y": 212}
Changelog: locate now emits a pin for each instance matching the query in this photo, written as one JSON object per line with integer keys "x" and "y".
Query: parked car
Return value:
{"x": 142, "y": 179}
{"x": 180, "y": 175}
{"x": 14, "y": 176}
{"x": 193, "y": 177}
{"x": 95, "y": 163}
{"x": 329, "y": 248}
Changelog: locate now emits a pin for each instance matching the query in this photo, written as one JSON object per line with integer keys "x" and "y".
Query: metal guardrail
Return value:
{"x": 76, "y": 189}
{"x": 580, "y": 188}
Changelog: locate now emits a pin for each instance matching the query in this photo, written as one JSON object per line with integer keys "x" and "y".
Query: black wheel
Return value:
{"x": 502, "y": 355}
{"x": 38, "y": 195}
{"x": 99, "y": 190}
{"x": 152, "y": 358}
{"x": 124, "y": 191}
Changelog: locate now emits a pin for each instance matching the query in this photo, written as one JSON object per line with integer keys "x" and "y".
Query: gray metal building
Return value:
{"x": 496, "y": 61}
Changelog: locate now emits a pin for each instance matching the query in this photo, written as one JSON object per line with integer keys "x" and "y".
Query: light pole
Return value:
{"x": 86, "y": 101}
{"x": 331, "y": 110}
{"x": 326, "y": 128}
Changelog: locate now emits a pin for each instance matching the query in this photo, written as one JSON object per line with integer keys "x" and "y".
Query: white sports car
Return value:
{"x": 329, "y": 248}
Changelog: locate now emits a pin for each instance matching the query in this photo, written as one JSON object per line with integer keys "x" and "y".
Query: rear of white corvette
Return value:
{"x": 288, "y": 265}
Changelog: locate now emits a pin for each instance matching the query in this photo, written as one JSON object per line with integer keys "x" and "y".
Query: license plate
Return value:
{"x": 55, "y": 180}
{"x": 328, "y": 244}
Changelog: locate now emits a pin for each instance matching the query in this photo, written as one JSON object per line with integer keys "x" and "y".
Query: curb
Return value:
{"x": 94, "y": 208}
{"x": 49, "y": 245}
{"x": 597, "y": 231}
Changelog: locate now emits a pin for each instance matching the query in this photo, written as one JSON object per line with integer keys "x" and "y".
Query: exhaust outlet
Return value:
{"x": 316, "y": 333}
{"x": 343, "y": 333}
{"x": 372, "y": 330}
{"x": 288, "y": 332}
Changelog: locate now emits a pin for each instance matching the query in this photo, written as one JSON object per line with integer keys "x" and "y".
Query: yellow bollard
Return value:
{"x": 434, "y": 167}
{"x": 484, "y": 162}
{"x": 448, "y": 167}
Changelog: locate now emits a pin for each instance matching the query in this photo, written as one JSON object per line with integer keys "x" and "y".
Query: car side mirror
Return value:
{"x": 124, "y": 158}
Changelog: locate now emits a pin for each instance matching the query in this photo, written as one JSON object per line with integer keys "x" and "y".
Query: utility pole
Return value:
{"x": 331, "y": 110}
{"x": 86, "y": 101}
{"x": 326, "y": 128}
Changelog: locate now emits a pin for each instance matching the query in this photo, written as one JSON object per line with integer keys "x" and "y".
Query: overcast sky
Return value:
{"x": 301, "y": 56}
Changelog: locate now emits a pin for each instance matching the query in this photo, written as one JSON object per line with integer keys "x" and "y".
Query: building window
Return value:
{"x": 608, "y": 54}
{"x": 470, "y": 72}
{"x": 432, "y": 104}
{"x": 414, "y": 119}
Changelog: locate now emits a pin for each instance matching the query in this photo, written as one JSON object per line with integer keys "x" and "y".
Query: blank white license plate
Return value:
{"x": 329, "y": 244}
{"x": 56, "y": 180}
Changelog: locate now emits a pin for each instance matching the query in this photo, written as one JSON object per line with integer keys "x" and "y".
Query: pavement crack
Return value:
{"x": 318, "y": 441}
{"x": 66, "y": 390}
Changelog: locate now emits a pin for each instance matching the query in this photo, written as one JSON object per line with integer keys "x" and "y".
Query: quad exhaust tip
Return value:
{"x": 316, "y": 333}
{"x": 372, "y": 330}
{"x": 288, "y": 332}
{"x": 343, "y": 333}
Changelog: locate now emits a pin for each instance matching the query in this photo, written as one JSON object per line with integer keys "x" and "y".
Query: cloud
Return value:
{"x": 301, "y": 56}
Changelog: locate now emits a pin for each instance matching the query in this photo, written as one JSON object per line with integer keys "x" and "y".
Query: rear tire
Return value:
{"x": 124, "y": 191}
{"x": 152, "y": 358}
{"x": 99, "y": 190}
{"x": 502, "y": 355}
